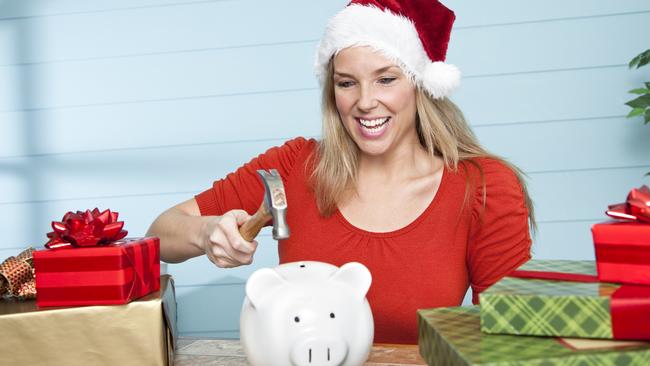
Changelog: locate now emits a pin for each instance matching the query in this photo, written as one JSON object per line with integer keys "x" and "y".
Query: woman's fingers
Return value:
{"x": 226, "y": 247}
{"x": 219, "y": 257}
{"x": 233, "y": 220}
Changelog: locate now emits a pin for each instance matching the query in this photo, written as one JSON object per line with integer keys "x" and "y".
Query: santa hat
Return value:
{"x": 412, "y": 33}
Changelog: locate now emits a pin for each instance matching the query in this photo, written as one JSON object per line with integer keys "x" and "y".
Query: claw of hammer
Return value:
{"x": 274, "y": 206}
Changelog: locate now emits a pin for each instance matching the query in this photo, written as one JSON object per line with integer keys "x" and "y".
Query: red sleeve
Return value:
{"x": 243, "y": 189}
{"x": 500, "y": 238}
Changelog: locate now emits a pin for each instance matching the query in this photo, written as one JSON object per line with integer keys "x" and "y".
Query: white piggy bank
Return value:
{"x": 307, "y": 313}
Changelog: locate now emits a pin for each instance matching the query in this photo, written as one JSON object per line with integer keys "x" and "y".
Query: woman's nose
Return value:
{"x": 367, "y": 98}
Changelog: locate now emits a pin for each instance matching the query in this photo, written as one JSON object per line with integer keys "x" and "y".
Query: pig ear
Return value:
{"x": 355, "y": 275}
{"x": 261, "y": 283}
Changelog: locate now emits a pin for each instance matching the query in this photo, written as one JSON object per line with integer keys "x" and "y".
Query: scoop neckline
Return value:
{"x": 403, "y": 230}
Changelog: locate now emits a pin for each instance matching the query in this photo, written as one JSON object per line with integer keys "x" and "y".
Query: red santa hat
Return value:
{"x": 412, "y": 33}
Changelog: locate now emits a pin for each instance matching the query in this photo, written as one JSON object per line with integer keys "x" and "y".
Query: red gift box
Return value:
{"x": 622, "y": 251}
{"x": 100, "y": 275}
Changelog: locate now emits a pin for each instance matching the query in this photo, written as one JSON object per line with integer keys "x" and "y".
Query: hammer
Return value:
{"x": 274, "y": 206}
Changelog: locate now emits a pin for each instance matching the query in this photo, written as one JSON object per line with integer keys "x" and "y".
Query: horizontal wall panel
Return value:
{"x": 40, "y": 8}
{"x": 209, "y": 308}
{"x": 182, "y": 75}
{"x": 6, "y": 253}
{"x": 601, "y": 143}
{"x": 476, "y": 14}
{"x": 26, "y": 224}
{"x": 564, "y": 240}
{"x": 467, "y": 13}
{"x": 548, "y": 46}
{"x": 176, "y": 122}
{"x": 116, "y": 173}
{"x": 195, "y": 26}
{"x": 203, "y": 26}
{"x": 582, "y": 195}
{"x": 200, "y": 271}
{"x": 547, "y": 96}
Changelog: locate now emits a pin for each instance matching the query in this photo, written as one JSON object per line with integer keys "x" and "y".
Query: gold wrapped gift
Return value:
{"x": 141, "y": 332}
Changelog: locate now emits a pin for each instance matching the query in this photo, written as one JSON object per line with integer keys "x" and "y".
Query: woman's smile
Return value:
{"x": 373, "y": 127}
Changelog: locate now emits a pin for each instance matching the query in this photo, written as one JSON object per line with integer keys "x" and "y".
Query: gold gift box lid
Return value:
{"x": 126, "y": 334}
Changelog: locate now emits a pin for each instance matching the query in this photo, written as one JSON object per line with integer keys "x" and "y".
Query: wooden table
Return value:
{"x": 220, "y": 352}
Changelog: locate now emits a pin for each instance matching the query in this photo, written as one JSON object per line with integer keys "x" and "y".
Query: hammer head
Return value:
{"x": 275, "y": 201}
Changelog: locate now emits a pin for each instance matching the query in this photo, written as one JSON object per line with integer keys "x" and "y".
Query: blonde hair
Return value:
{"x": 442, "y": 131}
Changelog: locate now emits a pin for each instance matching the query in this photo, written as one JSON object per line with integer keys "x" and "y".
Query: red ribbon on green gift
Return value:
{"x": 629, "y": 304}
{"x": 85, "y": 229}
{"x": 635, "y": 208}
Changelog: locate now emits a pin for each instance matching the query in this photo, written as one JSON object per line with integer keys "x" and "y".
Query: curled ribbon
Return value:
{"x": 635, "y": 208}
{"x": 17, "y": 276}
{"x": 86, "y": 229}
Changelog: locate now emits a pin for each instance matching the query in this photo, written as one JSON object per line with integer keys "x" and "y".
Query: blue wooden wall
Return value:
{"x": 136, "y": 105}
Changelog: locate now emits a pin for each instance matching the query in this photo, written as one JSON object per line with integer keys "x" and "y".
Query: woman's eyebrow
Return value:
{"x": 384, "y": 69}
{"x": 342, "y": 74}
{"x": 378, "y": 71}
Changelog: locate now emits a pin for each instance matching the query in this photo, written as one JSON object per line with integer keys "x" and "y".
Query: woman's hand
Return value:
{"x": 185, "y": 234}
{"x": 222, "y": 242}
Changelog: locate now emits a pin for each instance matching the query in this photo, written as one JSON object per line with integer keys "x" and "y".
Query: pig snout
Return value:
{"x": 317, "y": 351}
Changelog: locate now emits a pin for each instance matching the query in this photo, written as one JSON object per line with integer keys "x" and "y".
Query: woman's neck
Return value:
{"x": 391, "y": 191}
{"x": 406, "y": 163}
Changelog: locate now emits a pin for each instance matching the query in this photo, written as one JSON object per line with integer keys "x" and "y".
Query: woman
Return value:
{"x": 398, "y": 181}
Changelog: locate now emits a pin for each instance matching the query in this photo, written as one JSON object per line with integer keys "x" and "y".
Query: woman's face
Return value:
{"x": 375, "y": 101}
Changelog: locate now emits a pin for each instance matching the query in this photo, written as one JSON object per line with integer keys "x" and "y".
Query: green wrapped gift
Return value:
{"x": 549, "y": 308}
{"x": 452, "y": 337}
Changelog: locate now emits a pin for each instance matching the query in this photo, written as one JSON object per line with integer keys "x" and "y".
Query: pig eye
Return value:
{"x": 332, "y": 315}
{"x": 296, "y": 319}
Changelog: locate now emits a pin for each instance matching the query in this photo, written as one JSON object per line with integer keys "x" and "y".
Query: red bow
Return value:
{"x": 85, "y": 229}
{"x": 636, "y": 208}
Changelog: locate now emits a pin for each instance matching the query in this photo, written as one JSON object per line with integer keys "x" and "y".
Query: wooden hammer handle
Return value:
{"x": 252, "y": 227}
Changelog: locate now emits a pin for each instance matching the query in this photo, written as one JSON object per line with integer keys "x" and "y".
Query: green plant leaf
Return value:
{"x": 647, "y": 85}
{"x": 635, "y": 112}
{"x": 640, "y": 102}
{"x": 640, "y": 60}
{"x": 646, "y": 116}
{"x": 640, "y": 91}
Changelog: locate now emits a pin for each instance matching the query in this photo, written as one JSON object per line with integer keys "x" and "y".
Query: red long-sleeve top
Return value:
{"x": 458, "y": 241}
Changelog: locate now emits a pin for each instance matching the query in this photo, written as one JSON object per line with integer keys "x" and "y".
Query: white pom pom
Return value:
{"x": 440, "y": 79}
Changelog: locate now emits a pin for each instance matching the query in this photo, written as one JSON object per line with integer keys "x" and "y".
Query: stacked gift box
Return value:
{"x": 99, "y": 298}
{"x": 558, "y": 312}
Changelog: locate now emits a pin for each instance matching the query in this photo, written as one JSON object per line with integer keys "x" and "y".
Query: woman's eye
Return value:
{"x": 386, "y": 80}
{"x": 344, "y": 84}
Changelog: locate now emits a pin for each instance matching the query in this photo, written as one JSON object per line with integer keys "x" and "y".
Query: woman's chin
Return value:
{"x": 373, "y": 148}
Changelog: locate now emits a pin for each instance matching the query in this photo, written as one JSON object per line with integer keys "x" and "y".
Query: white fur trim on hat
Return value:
{"x": 392, "y": 35}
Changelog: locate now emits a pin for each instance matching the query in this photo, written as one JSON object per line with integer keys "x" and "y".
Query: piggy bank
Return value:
{"x": 307, "y": 313}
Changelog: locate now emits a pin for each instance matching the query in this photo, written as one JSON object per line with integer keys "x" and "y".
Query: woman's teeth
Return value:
{"x": 369, "y": 123}
{"x": 374, "y": 126}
